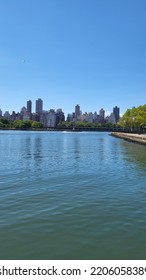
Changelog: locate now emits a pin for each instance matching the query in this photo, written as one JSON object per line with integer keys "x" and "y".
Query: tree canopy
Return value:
{"x": 19, "y": 124}
{"x": 135, "y": 117}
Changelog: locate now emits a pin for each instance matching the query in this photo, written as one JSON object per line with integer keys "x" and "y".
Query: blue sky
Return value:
{"x": 90, "y": 52}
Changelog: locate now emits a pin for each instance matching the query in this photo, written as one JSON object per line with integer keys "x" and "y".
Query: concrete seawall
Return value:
{"x": 136, "y": 138}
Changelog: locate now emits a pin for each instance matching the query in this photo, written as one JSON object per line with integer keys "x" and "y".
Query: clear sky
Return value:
{"x": 68, "y": 52}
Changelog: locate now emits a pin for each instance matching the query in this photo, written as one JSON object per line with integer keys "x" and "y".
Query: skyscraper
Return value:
{"x": 59, "y": 116}
{"x": 101, "y": 115}
{"x": 77, "y": 111}
{"x": 29, "y": 106}
{"x": 116, "y": 112}
{"x": 39, "y": 106}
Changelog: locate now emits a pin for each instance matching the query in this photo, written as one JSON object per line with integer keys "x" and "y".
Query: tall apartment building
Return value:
{"x": 101, "y": 115}
{"x": 0, "y": 113}
{"x": 59, "y": 116}
{"x": 29, "y": 107}
{"x": 39, "y": 106}
{"x": 7, "y": 115}
{"x": 116, "y": 112}
{"x": 112, "y": 119}
{"x": 48, "y": 118}
{"x": 77, "y": 112}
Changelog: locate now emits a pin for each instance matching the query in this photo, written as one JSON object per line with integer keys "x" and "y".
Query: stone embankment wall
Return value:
{"x": 132, "y": 137}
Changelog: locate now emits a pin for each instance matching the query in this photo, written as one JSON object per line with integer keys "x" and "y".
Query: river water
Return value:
{"x": 71, "y": 196}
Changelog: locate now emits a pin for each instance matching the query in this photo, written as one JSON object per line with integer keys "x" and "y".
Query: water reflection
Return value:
{"x": 38, "y": 149}
{"x": 134, "y": 154}
{"x": 77, "y": 148}
{"x": 28, "y": 148}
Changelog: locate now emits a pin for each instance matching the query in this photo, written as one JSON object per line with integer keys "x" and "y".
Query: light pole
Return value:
{"x": 73, "y": 124}
{"x": 133, "y": 120}
{"x": 124, "y": 123}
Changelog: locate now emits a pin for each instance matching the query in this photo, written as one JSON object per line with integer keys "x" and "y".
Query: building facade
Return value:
{"x": 101, "y": 115}
{"x": 29, "y": 107}
{"x": 77, "y": 112}
{"x": 48, "y": 118}
{"x": 39, "y": 106}
{"x": 116, "y": 112}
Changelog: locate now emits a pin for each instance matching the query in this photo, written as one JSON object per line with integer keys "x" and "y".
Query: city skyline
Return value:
{"x": 54, "y": 117}
{"x": 108, "y": 109}
{"x": 83, "y": 52}
{"x": 39, "y": 103}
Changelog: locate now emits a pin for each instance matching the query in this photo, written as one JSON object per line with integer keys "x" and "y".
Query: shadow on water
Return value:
{"x": 134, "y": 153}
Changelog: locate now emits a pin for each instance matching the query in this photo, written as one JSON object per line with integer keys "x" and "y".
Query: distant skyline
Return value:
{"x": 33, "y": 108}
{"x": 91, "y": 53}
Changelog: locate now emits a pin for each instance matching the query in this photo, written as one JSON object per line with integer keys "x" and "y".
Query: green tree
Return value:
{"x": 17, "y": 124}
{"x": 134, "y": 118}
{"x": 1, "y": 124}
{"x": 36, "y": 124}
{"x": 4, "y": 122}
{"x": 26, "y": 124}
{"x": 21, "y": 124}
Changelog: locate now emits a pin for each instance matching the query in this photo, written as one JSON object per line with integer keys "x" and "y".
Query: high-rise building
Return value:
{"x": 112, "y": 118}
{"x": 23, "y": 110}
{"x": 29, "y": 106}
{"x": 7, "y": 115}
{"x": 13, "y": 116}
{"x": 24, "y": 115}
{"x": 59, "y": 116}
{"x": 48, "y": 118}
{"x": 96, "y": 117}
{"x": 69, "y": 117}
{"x": 89, "y": 117}
{"x": 77, "y": 112}
{"x": 39, "y": 106}
{"x": 0, "y": 113}
{"x": 116, "y": 112}
{"x": 101, "y": 115}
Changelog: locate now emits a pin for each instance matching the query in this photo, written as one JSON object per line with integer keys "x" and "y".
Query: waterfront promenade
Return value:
{"x": 132, "y": 137}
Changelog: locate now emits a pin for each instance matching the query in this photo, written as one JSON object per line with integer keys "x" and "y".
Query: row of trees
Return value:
{"x": 134, "y": 118}
{"x": 77, "y": 124}
{"x": 26, "y": 124}
{"x": 19, "y": 124}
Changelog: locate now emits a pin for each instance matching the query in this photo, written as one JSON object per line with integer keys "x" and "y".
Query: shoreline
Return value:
{"x": 77, "y": 129}
{"x": 135, "y": 138}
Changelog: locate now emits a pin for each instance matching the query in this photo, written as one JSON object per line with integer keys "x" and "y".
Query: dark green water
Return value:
{"x": 71, "y": 196}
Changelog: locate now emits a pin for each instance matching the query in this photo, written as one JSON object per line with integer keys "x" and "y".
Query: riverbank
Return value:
{"x": 131, "y": 137}
{"x": 69, "y": 129}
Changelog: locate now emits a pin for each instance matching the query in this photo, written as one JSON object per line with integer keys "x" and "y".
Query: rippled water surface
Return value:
{"x": 71, "y": 196}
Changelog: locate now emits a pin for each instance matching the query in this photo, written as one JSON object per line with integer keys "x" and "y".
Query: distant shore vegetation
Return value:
{"x": 19, "y": 124}
{"x": 29, "y": 124}
{"x": 84, "y": 124}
